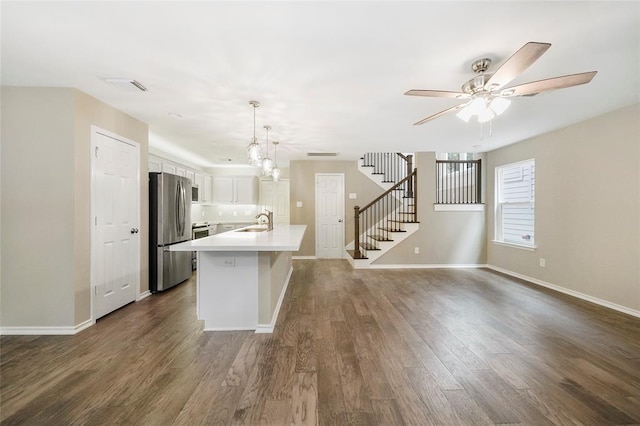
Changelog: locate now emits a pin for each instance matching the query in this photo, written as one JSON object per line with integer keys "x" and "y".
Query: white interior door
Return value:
{"x": 116, "y": 221}
{"x": 329, "y": 215}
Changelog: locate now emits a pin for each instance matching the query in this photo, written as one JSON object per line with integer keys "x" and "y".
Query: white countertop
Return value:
{"x": 281, "y": 238}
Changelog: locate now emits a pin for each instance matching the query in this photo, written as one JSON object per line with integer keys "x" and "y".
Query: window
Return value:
{"x": 515, "y": 203}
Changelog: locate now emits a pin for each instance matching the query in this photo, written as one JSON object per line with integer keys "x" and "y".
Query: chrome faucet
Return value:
{"x": 269, "y": 216}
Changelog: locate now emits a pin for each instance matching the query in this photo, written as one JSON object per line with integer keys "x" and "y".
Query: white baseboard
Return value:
{"x": 45, "y": 331}
{"x": 424, "y": 266}
{"x": 268, "y": 328}
{"x": 570, "y": 292}
{"x": 143, "y": 295}
{"x": 304, "y": 257}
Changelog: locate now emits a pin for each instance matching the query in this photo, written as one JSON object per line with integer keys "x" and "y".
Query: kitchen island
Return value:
{"x": 243, "y": 276}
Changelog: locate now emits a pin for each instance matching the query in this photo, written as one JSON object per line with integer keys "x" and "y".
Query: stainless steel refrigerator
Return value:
{"x": 169, "y": 223}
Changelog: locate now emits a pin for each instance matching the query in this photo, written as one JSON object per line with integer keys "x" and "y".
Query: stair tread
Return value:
{"x": 368, "y": 246}
{"x": 352, "y": 253}
{"x": 403, "y": 221}
{"x": 392, "y": 229}
{"x": 379, "y": 237}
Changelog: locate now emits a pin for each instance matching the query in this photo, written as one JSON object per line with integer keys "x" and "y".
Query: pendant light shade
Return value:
{"x": 275, "y": 172}
{"x": 267, "y": 163}
{"x": 254, "y": 152}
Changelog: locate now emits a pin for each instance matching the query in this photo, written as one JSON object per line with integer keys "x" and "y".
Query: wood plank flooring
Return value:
{"x": 376, "y": 347}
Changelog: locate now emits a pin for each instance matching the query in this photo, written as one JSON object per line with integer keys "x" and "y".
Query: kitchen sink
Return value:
{"x": 252, "y": 230}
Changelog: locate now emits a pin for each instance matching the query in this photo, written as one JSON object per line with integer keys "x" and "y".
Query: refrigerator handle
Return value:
{"x": 177, "y": 204}
{"x": 184, "y": 208}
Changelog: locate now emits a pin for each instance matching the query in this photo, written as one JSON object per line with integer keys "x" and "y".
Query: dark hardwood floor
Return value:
{"x": 376, "y": 347}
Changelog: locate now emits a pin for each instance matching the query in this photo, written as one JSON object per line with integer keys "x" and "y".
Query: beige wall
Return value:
{"x": 37, "y": 207}
{"x": 302, "y": 181}
{"x": 587, "y": 223}
{"x": 46, "y": 202}
{"x": 444, "y": 237}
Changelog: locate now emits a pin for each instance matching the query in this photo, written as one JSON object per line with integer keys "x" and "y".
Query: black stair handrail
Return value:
{"x": 382, "y": 211}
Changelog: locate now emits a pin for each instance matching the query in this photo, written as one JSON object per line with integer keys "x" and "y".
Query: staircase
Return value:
{"x": 392, "y": 216}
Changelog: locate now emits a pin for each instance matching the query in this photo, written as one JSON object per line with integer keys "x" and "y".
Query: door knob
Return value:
{"x": 339, "y": 220}
{"x": 134, "y": 230}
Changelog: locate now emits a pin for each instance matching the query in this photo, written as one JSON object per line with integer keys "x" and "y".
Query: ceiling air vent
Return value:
{"x": 322, "y": 154}
{"x": 126, "y": 84}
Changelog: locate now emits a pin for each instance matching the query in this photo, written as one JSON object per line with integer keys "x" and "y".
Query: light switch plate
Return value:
{"x": 298, "y": 203}
{"x": 352, "y": 195}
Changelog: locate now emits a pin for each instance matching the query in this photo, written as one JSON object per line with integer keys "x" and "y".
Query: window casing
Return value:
{"x": 515, "y": 204}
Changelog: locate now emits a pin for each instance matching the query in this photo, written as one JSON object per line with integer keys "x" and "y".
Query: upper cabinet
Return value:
{"x": 207, "y": 195}
{"x": 235, "y": 189}
{"x": 211, "y": 189}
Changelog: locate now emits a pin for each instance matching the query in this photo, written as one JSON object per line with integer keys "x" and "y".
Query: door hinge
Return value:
{"x": 95, "y": 290}
{"x": 95, "y": 222}
{"x": 96, "y": 152}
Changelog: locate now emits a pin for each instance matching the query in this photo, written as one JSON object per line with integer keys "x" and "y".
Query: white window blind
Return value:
{"x": 515, "y": 203}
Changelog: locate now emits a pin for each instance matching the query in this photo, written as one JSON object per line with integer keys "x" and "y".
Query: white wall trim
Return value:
{"x": 458, "y": 207}
{"x": 268, "y": 328}
{"x": 569, "y": 292}
{"x": 143, "y": 295}
{"x": 425, "y": 266}
{"x": 304, "y": 257}
{"x": 46, "y": 331}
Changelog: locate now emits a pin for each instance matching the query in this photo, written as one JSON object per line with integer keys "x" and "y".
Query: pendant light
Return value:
{"x": 254, "y": 152}
{"x": 267, "y": 164}
{"x": 275, "y": 173}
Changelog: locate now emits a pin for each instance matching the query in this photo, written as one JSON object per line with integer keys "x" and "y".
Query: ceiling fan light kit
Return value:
{"x": 484, "y": 93}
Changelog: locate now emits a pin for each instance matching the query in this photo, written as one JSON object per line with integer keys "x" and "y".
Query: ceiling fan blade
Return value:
{"x": 517, "y": 63}
{"x": 441, "y": 113}
{"x": 549, "y": 84}
{"x": 438, "y": 94}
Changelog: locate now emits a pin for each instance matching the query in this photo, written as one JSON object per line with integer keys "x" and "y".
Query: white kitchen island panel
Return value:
{"x": 228, "y": 290}
{"x": 243, "y": 276}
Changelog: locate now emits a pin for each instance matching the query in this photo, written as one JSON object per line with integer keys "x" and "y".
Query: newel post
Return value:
{"x": 356, "y": 227}
{"x": 409, "y": 171}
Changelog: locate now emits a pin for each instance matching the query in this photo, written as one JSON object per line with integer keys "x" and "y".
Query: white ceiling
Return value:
{"x": 330, "y": 75}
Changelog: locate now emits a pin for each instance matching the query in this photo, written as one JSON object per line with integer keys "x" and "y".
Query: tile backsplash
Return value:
{"x": 223, "y": 212}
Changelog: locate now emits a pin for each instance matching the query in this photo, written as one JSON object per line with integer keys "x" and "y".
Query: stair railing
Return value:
{"x": 458, "y": 182}
{"x": 393, "y": 166}
{"x": 385, "y": 214}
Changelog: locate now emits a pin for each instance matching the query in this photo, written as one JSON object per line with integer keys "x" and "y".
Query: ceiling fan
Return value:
{"x": 485, "y": 94}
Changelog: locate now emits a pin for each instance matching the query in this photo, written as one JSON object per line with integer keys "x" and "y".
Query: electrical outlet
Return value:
{"x": 230, "y": 262}
{"x": 202, "y": 213}
{"x": 416, "y": 250}
{"x": 543, "y": 263}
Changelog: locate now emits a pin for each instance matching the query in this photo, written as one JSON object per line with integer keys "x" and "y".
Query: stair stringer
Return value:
{"x": 372, "y": 255}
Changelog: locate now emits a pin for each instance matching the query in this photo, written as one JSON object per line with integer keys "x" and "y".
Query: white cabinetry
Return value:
{"x": 155, "y": 164}
{"x": 207, "y": 194}
{"x": 235, "y": 189}
{"x": 198, "y": 182}
{"x": 191, "y": 175}
{"x": 169, "y": 168}
{"x": 202, "y": 181}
